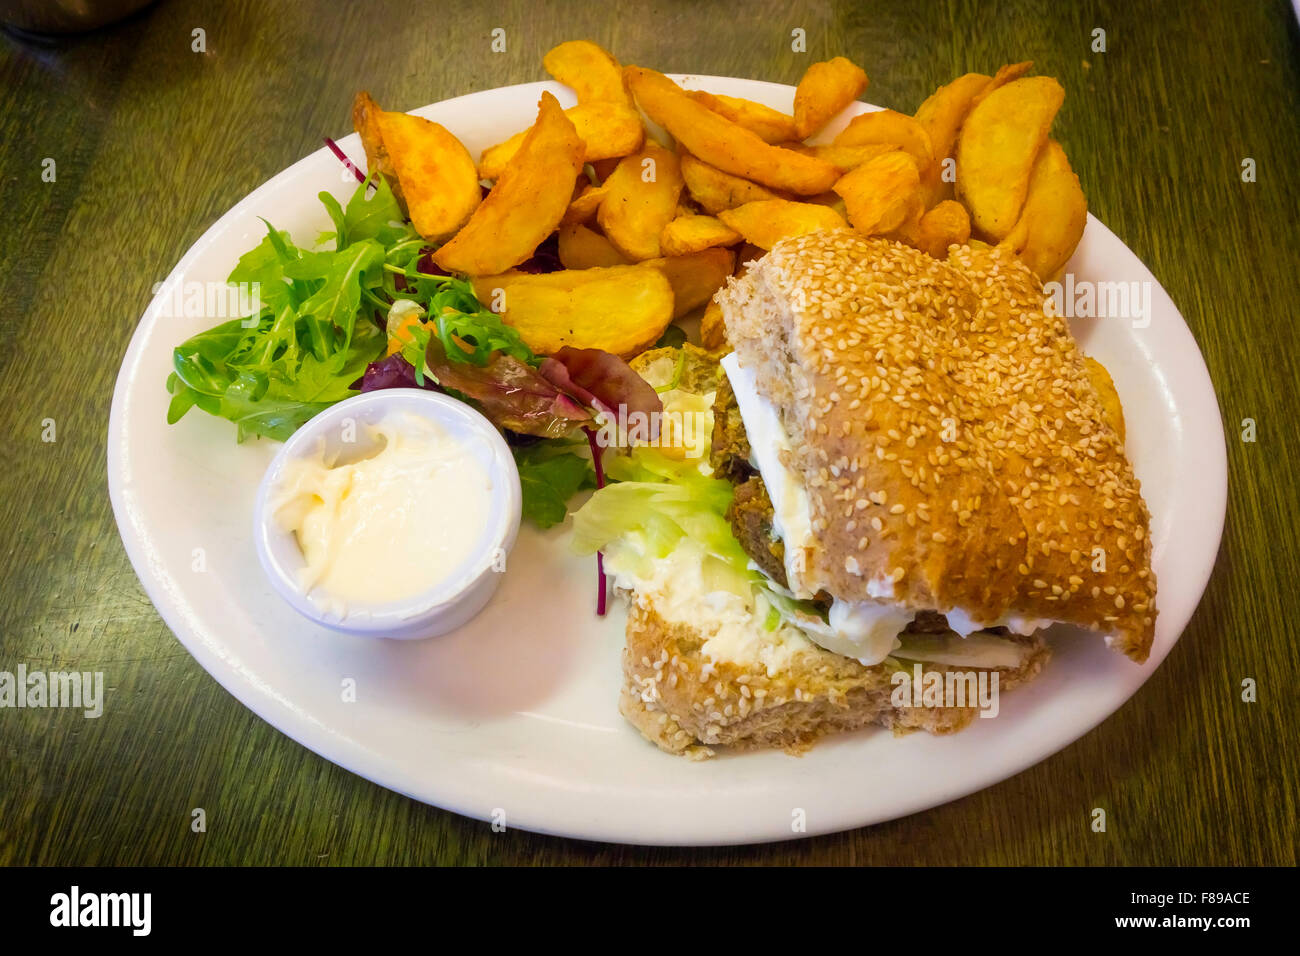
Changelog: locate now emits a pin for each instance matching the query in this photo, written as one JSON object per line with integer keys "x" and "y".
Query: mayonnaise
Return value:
{"x": 679, "y": 589}
{"x": 389, "y": 526}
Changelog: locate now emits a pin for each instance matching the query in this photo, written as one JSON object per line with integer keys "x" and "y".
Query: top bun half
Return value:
{"x": 948, "y": 434}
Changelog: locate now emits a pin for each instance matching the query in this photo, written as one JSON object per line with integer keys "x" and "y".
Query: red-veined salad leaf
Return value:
{"x": 392, "y": 372}
{"x": 603, "y": 381}
{"x": 509, "y": 391}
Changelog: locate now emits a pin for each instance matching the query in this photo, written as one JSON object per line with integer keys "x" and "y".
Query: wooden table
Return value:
{"x": 152, "y": 142}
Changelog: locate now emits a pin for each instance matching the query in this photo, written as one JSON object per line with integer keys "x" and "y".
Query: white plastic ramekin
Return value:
{"x": 458, "y": 597}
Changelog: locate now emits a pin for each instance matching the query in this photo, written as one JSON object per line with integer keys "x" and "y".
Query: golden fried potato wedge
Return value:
{"x": 769, "y": 125}
{"x": 607, "y": 130}
{"x": 1111, "y": 409}
{"x": 713, "y": 330}
{"x": 641, "y": 200}
{"x": 437, "y": 175}
{"x": 621, "y": 309}
{"x": 768, "y": 222}
{"x": 365, "y": 119}
{"x": 690, "y": 233}
{"x": 715, "y": 190}
{"x": 584, "y": 248}
{"x": 589, "y": 70}
{"x": 826, "y": 88}
{"x": 1052, "y": 220}
{"x": 527, "y": 203}
{"x": 908, "y": 231}
{"x": 724, "y": 144}
{"x": 997, "y": 148}
{"x": 881, "y": 192}
{"x": 831, "y": 199}
{"x": 945, "y": 225}
{"x": 888, "y": 128}
{"x": 696, "y": 277}
{"x": 941, "y": 116}
{"x": 584, "y": 205}
{"x": 944, "y": 110}
{"x": 1004, "y": 75}
{"x": 844, "y": 158}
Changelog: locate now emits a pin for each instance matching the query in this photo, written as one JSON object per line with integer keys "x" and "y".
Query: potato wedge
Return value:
{"x": 589, "y": 70}
{"x": 766, "y": 223}
{"x": 724, "y": 144}
{"x": 881, "y": 192}
{"x": 941, "y": 116}
{"x": 832, "y": 199}
{"x": 437, "y": 175}
{"x": 527, "y": 202}
{"x": 889, "y": 128}
{"x": 641, "y": 200}
{"x": 621, "y": 309}
{"x": 844, "y": 158}
{"x": 607, "y": 131}
{"x": 908, "y": 231}
{"x": 945, "y": 225}
{"x": 365, "y": 120}
{"x": 696, "y": 277}
{"x": 1004, "y": 75}
{"x": 583, "y": 248}
{"x": 713, "y": 330}
{"x": 997, "y": 148}
{"x": 1111, "y": 409}
{"x": 944, "y": 110}
{"x": 1054, "y": 215}
{"x": 583, "y": 206}
{"x": 826, "y": 88}
{"x": 715, "y": 190}
{"x": 690, "y": 233}
{"x": 769, "y": 125}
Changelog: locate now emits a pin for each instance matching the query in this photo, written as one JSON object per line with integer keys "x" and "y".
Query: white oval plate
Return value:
{"x": 516, "y": 713}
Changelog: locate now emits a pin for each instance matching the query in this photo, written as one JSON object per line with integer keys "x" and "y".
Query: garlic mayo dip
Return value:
{"x": 388, "y": 526}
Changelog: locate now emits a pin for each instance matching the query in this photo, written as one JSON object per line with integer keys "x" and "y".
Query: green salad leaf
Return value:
{"x": 660, "y": 502}
{"x": 549, "y": 475}
{"x": 313, "y": 336}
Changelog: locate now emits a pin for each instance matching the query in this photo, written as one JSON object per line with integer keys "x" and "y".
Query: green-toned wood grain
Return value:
{"x": 153, "y": 142}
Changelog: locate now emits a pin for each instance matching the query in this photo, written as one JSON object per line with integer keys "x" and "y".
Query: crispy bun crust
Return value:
{"x": 948, "y": 434}
{"x": 686, "y": 703}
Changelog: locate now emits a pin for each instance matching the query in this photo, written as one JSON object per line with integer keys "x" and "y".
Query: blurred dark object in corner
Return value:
{"x": 65, "y": 16}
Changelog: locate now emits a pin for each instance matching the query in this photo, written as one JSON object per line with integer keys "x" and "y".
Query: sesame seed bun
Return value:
{"x": 687, "y": 703}
{"x": 948, "y": 434}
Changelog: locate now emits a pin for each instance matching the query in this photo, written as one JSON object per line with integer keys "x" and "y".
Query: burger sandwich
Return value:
{"x": 898, "y": 463}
